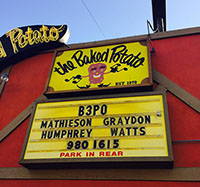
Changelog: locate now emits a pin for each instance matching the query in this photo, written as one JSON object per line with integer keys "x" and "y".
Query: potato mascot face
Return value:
{"x": 96, "y": 73}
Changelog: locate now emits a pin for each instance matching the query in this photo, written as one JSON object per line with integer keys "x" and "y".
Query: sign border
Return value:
{"x": 127, "y": 162}
{"x": 108, "y": 90}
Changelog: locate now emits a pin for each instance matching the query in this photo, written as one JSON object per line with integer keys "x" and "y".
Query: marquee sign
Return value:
{"x": 125, "y": 129}
{"x": 114, "y": 66}
{"x": 20, "y": 43}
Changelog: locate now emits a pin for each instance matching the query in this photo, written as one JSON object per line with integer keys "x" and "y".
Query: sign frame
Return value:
{"x": 108, "y": 162}
{"x": 147, "y": 84}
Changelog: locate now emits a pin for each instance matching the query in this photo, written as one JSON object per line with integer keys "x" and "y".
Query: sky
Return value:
{"x": 101, "y": 20}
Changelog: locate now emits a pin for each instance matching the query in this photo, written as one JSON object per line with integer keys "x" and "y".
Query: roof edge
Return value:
{"x": 154, "y": 36}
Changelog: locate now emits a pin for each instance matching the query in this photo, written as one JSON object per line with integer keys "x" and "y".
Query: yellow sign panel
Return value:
{"x": 123, "y": 127}
{"x": 122, "y": 65}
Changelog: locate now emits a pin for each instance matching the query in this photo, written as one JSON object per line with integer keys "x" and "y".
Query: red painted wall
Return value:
{"x": 26, "y": 83}
{"x": 27, "y": 80}
{"x": 176, "y": 58}
{"x": 90, "y": 183}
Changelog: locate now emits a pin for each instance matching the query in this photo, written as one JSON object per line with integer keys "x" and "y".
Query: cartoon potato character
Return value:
{"x": 96, "y": 75}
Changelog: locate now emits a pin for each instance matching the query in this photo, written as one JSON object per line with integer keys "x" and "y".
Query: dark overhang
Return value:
{"x": 159, "y": 15}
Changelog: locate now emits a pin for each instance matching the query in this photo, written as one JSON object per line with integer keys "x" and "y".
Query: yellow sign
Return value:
{"x": 122, "y": 127}
{"x": 122, "y": 65}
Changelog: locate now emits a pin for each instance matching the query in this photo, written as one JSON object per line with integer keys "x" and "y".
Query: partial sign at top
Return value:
{"x": 23, "y": 42}
{"x": 114, "y": 66}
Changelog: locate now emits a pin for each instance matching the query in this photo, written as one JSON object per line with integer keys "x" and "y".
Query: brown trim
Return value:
{"x": 176, "y": 174}
{"x": 176, "y": 33}
{"x": 2, "y": 84}
{"x": 167, "y": 126}
{"x": 160, "y": 88}
{"x": 150, "y": 78}
{"x": 179, "y": 92}
{"x": 17, "y": 121}
{"x": 155, "y": 36}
